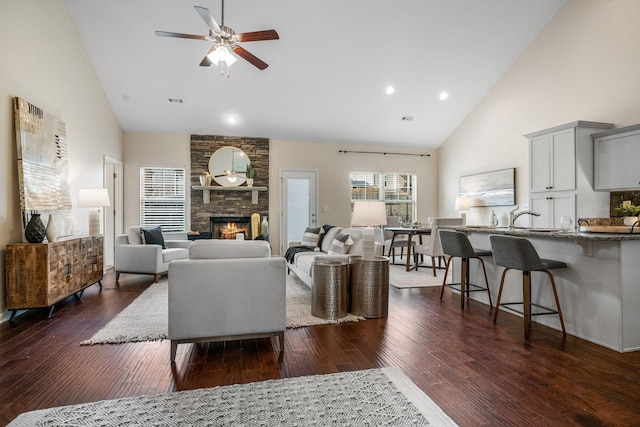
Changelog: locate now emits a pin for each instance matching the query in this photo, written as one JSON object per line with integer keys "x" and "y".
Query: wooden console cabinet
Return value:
{"x": 42, "y": 274}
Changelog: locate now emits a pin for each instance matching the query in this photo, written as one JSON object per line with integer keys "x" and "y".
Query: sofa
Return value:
{"x": 227, "y": 290}
{"x": 302, "y": 263}
{"x": 133, "y": 255}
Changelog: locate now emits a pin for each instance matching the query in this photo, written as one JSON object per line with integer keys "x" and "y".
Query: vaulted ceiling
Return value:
{"x": 327, "y": 73}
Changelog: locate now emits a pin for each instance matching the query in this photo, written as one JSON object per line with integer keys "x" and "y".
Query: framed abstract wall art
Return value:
{"x": 496, "y": 188}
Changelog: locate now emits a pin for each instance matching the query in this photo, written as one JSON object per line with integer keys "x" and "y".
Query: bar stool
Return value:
{"x": 519, "y": 254}
{"x": 456, "y": 244}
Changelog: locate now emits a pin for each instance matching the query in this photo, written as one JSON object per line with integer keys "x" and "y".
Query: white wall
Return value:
{"x": 44, "y": 61}
{"x": 333, "y": 168}
{"x": 584, "y": 66}
{"x": 142, "y": 149}
{"x": 334, "y": 184}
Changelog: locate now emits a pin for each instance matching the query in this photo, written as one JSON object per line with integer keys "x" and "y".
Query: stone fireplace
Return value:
{"x": 227, "y": 204}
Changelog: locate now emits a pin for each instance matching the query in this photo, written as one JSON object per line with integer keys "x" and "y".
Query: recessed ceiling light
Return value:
{"x": 390, "y": 90}
{"x": 232, "y": 120}
{"x": 443, "y": 96}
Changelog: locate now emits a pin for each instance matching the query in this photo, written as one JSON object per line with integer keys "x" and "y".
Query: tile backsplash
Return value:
{"x": 617, "y": 197}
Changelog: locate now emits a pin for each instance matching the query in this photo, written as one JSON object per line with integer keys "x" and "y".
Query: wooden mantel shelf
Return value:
{"x": 206, "y": 191}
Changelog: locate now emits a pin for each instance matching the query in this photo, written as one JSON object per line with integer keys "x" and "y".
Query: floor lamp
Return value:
{"x": 368, "y": 214}
{"x": 94, "y": 199}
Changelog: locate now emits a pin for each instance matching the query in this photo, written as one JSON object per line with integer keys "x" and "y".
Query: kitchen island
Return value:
{"x": 599, "y": 291}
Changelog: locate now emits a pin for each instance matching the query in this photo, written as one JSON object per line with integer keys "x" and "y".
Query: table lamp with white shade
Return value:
{"x": 368, "y": 214}
{"x": 94, "y": 199}
{"x": 463, "y": 204}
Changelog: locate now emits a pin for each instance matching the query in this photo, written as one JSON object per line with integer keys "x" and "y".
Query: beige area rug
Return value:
{"x": 423, "y": 278}
{"x": 374, "y": 397}
{"x": 146, "y": 318}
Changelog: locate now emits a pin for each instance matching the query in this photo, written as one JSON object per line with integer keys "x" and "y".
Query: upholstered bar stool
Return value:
{"x": 519, "y": 254}
{"x": 456, "y": 245}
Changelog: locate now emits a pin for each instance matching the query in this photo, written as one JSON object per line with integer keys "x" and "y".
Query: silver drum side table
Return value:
{"x": 330, "y": 292}
{"x": 370, "y": 286}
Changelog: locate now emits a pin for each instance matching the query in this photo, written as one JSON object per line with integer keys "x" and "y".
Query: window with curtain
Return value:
{"x": 163, "y": 198}
{"x": 396, "y": 189}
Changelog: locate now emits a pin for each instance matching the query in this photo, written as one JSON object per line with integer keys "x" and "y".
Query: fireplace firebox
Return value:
{"x": 228, "y": 227}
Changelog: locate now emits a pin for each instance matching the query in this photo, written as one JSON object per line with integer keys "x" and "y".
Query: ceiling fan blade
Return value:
{"x": 180, "y": 35}
{"x": 206, "y": 62}
{"x": 257, "y": 36}
{"x": 208, "y": 19}
{"x": 245, "y": 54}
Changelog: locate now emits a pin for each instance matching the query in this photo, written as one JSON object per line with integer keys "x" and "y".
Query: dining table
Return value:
{"x": 409, "y": 232}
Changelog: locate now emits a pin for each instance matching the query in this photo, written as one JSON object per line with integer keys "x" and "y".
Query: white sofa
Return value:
{"x": 227, "y": 290}
{"x": 133, "y": 256}
{"x": 303, "y": 262}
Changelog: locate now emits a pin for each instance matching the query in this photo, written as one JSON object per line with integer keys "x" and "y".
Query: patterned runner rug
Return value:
{"x": 376, "y": 397}
{"x": 145, "y": 319}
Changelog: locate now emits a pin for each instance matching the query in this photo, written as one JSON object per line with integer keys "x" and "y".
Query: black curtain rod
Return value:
{"x": 384, "y": 153}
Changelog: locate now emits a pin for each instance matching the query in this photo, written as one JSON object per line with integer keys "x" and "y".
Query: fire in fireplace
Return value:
{"x": 227, "y": 227}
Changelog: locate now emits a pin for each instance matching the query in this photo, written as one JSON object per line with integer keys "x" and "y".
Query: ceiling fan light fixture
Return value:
{"x": 222, "y": 54}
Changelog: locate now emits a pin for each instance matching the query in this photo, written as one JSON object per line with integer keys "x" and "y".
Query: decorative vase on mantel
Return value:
{"x": 35, "y": 230}
{"x": 630, "y": 220}
{"x": 249, "y": 182}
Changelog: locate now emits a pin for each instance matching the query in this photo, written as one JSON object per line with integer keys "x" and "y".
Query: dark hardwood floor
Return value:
{"x": 477, "y": 372}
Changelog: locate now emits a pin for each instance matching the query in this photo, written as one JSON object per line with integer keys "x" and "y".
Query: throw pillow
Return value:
{"x": 311, "y": 236}
{"x": 325, "y": 228}
{"x": 134, "y": 234}
{"x": 153, "y": 236}
{"x": 341, "y": 244}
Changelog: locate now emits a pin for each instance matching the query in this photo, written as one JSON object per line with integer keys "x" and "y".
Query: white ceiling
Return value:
{"x": 327, "y": 74}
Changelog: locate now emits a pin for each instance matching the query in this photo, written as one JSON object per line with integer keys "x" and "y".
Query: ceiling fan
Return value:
{"x": 225, "y": 39}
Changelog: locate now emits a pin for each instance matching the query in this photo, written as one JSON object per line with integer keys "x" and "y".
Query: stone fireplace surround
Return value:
{"x": 227, "y": 203}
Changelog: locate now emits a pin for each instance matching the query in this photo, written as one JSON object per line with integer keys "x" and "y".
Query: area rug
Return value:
{"x": 423, "y": 278}
{"x": 145, "y": 319}
{"x": 375, "y": 397}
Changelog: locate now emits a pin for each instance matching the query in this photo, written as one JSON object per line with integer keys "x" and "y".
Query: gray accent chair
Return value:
{"x": 517, "y": 253}
{"x": 227, "y": 290}
{"x": 133, "y": 256}
{"x": 456, "y": 245}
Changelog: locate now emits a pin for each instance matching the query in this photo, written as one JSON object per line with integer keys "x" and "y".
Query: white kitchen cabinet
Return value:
{"x": 617, "y": 159}
{"x": 554, "y": 157}
{"x": 552, "y": 206}
{"x": 561, "y": 174}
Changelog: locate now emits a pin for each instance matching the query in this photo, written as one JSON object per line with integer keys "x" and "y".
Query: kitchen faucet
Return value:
{"x": 513, "y": 215}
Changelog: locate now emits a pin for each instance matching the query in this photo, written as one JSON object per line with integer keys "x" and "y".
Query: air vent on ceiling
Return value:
{"x": 407, "y": 118}
{"x": 176, "y": 100}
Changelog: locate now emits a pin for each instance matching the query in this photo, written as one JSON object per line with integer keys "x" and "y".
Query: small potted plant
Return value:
{"x": 250, "y": 172}
{"x": 630, "y": 213}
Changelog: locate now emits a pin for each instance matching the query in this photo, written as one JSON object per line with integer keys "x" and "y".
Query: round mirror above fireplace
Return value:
{"x": 228, "y": 166}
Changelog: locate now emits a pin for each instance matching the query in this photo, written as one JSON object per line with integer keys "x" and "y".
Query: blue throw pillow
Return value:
{"x": 153, "y": 236}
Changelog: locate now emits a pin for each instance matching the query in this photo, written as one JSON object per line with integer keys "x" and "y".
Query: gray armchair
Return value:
{"x": 227, "y": 290}
{"x": 133, "y": 256}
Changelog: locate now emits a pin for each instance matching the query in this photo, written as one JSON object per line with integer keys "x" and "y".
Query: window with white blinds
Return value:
{"x": 162, "y": 198}
{"x": 397, "y": 190}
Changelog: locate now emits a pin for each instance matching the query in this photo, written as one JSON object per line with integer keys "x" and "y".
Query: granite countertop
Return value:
{"x": 545, "y": 232}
